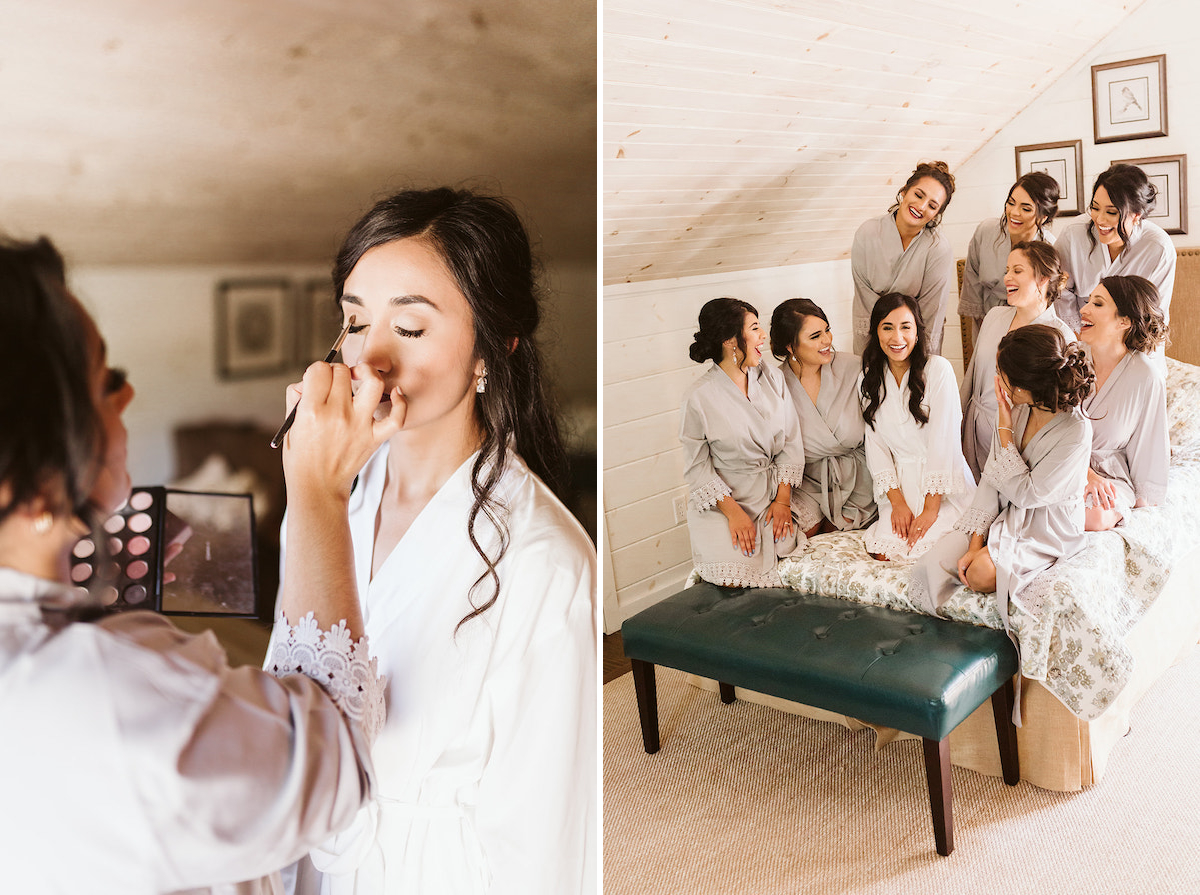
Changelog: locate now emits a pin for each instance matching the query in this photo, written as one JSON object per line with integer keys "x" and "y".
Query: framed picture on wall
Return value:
{"x": 1168, "y": 173}
{"x": 1129, "y": 99}
{"x": 1062, "y": 161}
{"x": 322, "y": 322}
{"x": 254, "y": 328}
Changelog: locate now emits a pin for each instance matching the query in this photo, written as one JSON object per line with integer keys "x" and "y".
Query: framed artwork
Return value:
{"x": 322, "y": 322}
{"x": 254, "y": 328}
{"x": 1168, "y": 173}
{"x": 1062, "y": 161}
{"x": 1129, "y": 99}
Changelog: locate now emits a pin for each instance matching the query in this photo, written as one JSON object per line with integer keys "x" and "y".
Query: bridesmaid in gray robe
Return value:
{"x": 1130, "y": 446}
{"x": 1031, "y": 204}
{"x": 903, "y": 251}
{"x": 836, "y": 493}
{"x": 743, "y": 452}
{"x": 1032, "y": 281}
{"x": 1028, "y": 510}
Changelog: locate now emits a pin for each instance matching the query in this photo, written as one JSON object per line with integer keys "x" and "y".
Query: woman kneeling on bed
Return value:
{"x": 1028, "y": 509}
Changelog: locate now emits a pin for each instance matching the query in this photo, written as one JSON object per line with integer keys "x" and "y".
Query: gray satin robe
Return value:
{"x": 743, "y": 447}
{"x": 837, "y": 483}
{"x": 978, "y": 391}
{"x": 1130, "y": 443}
{"x": 983, "y": 274}
{"x": 879, "y": 265}
{"x": 1029, "y": 504}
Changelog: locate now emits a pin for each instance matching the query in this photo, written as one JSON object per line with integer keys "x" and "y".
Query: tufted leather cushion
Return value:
{"x": 916, "y": 673}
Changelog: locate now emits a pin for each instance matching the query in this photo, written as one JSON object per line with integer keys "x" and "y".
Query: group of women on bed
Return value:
{"x": 1059, "y": 425}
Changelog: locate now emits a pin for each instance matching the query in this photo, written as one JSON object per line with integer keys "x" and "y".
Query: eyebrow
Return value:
{"x": 396, "y": 301}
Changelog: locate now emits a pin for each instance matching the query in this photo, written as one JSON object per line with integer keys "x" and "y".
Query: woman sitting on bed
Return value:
{"x": 1032, "y": 279}
{"x": 1028, "y": 510}
{"x": 742, "y": 452}
{"x": 836, "y": 492}
{"x": 910, "y": 405}
{"x": 1122, "y": 325}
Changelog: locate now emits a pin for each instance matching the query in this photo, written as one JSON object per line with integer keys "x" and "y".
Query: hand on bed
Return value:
{"x": 1102, "y": 490}
{"x": 780, "y": 516}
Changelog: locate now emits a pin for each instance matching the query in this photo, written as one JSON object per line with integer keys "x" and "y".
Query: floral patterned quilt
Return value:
{"x": 1076, "y": 647}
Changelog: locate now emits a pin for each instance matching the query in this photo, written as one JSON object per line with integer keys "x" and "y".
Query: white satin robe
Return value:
{"x": 978, "y": 390}
{"x": 486, "y": 766}
{"x": 837, "y": 483}
{"x": 880, "y": 264}
{"x": 744, "y": 447}
{"x": 919, "y": 460}
{"x": 135, "y": 761}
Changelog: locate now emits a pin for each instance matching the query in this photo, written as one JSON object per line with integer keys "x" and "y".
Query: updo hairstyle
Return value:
{"x": 721, "y": 319}
{"x": 1046, "y": 265}
{"x": 940, "y": 172}
{"x": 1037, "y": 358}
{"x": 1137, "y": 301}
{"x": 786, "y": 322}
{"x": 1130, "y": 190}
{"x": 1043, "y": 191}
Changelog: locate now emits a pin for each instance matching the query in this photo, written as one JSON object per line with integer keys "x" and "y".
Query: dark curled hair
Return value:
{"x": 721, "y": 319}
{"x": 1037, "y": 358}
{"x": 1044, "y": 260}
{"x": 50, "y": 429}
{"x": 1130, "y": 190}
{"x": 940, "y": 172}
{"x": 485, "y": 247}
{"x": 1043, "y": 192}
{"x": 1137, "y": 301}
{"x": 875, "y": 362}
{"x": 786, "y": 322}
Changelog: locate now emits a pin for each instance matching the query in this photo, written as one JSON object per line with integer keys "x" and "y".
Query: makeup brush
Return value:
{"x": 291, "y": 417}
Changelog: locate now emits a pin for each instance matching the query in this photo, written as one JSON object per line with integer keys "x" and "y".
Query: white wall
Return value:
{"x": 1064, "y": 112}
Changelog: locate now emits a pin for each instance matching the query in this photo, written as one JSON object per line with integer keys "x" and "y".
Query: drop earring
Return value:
{"x": 481, "y": 382}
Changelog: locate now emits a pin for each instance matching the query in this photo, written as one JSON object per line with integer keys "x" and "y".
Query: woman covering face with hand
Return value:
{"x": 836, "y": 493}
{"x": 743, "y": 452}
{"x": 135, "y": 759}
{"x": 903, "y": 251}
{"x": 913, "y": 421}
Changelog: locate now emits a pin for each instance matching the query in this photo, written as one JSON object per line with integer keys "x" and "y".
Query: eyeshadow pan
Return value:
{"x": 114, "y": 524}
{"x": 137, "y": 569}
{"x": 115, "y": 546}
{"x": 84, "y": 548}
{"x": 135, "y": 593}
{"x": 140, "y": 522}
{"x": 141, "y": 500}
{"x": 109, "y": 595}
{"x": 138, "y": 545}
{"x": 81, "y": 572}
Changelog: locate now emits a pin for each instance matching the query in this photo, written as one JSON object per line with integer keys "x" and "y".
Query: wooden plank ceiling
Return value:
{"x": 743, "y": 134}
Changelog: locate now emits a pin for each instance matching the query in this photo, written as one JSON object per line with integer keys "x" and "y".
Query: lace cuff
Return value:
{"x": 942, "y": 483}
{"x": 791, "y": 473}
{"x": 1002, "y": 464}
{"x": 975, "y": 521}
{"x": 706, "y": 496}
{"x": 884, "y": 482}
{"x": 344, "y": 668}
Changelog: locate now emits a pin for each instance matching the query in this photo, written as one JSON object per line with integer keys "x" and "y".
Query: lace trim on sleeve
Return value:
{"x": 791, "y": 473}
{"x": 1150, "y": 495}
{"x": 706, "y": 496}
{"x": 942, "y": 483}
{"x": 884, "y": 482}
{"x": 344, "y": 668}
{"x": 975, "y": 521}
{"x": 1002, "y": 464}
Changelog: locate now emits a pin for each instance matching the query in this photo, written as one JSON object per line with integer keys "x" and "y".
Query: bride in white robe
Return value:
{"x": 478, "y": 586}
{"x": 922, "y": 483}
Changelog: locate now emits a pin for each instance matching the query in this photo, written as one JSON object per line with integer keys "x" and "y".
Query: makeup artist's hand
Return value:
{"x": 337, "y": 428}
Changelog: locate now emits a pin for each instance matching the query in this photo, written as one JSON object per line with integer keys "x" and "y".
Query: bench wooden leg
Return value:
{"x": 726, "y": 692}
{"x": 941, "y": 794}
{"x": 1006, "y": 732}
{"x": 647, "y": 700}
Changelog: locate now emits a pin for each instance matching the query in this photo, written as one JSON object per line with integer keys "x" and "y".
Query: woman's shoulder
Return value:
{"x": 988, "y": 232}
{"x": 699, "y": 387}
{"x": 539, "y": 520}
{"x": 938, "y": 366}
{"x": 846, "y": 365}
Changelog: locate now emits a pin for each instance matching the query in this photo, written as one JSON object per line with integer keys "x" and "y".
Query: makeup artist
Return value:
{"x": 133, "y": 759}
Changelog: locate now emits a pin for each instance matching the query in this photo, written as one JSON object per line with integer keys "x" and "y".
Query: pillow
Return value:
{"x": 1183, "y": 407}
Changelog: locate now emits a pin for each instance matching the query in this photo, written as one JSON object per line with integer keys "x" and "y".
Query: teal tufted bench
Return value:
{"x": 913, "y": 672}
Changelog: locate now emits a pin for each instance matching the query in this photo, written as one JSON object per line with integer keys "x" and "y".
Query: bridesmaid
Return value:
{"x": 913, "y": 419}
{"x": 1032, "y": 203}
{"x": 1130, "y": 449}
{"x": 903, "y": 251}
{"x": 742, "y": 450}
{"x": 1028, "y": 510}
{"x": 836, "y": 492}
{"x": 1032, "y": 281}
{"x": 1116, "y": 240}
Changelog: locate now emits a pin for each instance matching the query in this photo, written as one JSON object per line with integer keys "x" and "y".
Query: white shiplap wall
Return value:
{"x": 745, "y": 134}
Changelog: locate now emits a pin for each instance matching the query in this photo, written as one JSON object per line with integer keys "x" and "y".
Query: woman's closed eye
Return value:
{"x": 409, "y": 333}
{"x": 357, "y": 328}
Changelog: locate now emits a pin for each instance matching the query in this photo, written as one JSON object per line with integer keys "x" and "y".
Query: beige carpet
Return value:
{"x": 746, "y": 799}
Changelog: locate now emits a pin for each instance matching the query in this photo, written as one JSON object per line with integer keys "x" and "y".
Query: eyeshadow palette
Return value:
{"x": 174, "y": 552}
